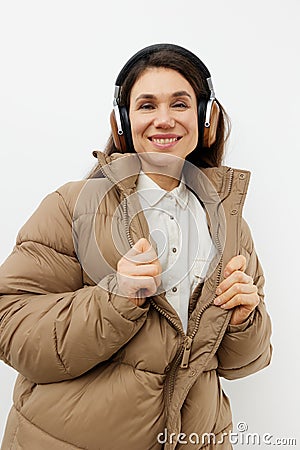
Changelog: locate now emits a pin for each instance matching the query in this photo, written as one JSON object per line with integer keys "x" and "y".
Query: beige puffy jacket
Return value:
{"x": 97, "y": 372}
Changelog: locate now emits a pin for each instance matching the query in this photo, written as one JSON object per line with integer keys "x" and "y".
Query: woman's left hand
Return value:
{"x": 237, "y": 291}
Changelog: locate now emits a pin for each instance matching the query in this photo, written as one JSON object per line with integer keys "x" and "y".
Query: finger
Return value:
{"x": 150, "y": 270}
{"x": 138, "y": 301}
{"x": 141, "y": 254}
{"x": 129, "y": 286}
{"x": 236, "y": 263}
{"x": 235, "y": 290}
{"x": 148, "y": 257}
{"x": 146, "y": 270}
{"x": 142, "y": 293}
{"x": 125, "y": 267}
{"x": 246, "y": 301}
{"x": 148, "y": 288}
{"x": 141, "y": 246}
{"x": 235, "y": 277}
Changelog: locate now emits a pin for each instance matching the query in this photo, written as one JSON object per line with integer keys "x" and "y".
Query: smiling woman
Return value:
{"x": 130, "y": 293}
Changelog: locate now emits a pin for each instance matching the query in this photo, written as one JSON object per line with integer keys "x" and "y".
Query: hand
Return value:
{"x": 237, "y": 291}
{"x": 139, "y": 272}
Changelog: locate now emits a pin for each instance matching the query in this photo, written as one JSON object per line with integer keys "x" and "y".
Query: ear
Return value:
{"x": 119, "y": 139}
{"x": 210, "y": 133}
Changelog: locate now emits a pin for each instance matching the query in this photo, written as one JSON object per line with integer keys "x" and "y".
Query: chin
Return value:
{"x": 160, "y": 159}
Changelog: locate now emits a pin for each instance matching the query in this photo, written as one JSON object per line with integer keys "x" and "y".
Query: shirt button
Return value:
{"x": 174, "y": 289}
{"x": 174, "y": 249}
{"x": 171, "y": 217}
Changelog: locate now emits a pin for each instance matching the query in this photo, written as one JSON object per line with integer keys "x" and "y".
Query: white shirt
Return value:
{"x": 177, "y": 223}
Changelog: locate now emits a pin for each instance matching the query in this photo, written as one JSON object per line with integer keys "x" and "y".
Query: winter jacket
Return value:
{"x": 97, "y": 372}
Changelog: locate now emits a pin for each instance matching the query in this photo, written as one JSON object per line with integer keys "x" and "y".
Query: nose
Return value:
{"x": 164, "y": 119}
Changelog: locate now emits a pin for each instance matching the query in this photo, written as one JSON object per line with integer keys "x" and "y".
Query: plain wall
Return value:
{"x": 59, "y": 61}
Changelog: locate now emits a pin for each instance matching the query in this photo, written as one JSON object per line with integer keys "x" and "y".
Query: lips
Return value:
{"x": 164, "y": 139}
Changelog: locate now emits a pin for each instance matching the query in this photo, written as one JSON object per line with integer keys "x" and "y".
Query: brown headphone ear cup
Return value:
{"x": 210, "y": 133}
{"x": 119, "y": 139}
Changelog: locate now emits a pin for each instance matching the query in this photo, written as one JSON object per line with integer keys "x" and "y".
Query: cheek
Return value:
{"x": 138, "y": 125}
{"x": 193, "y": 127}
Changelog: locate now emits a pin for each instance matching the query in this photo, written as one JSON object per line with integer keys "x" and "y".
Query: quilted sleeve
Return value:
{"x": 53, "y": 328}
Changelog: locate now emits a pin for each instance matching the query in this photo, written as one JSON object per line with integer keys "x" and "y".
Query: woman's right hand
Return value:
{"x": 139, "y": 272}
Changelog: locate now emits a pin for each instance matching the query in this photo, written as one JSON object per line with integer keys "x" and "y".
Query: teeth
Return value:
{"x": 164, "y": 141}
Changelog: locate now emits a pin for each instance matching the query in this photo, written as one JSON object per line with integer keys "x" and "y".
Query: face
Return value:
{"x": 163, "y": 114}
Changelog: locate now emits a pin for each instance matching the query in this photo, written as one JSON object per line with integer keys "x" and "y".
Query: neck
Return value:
{"x": 166, "y": 172}
{"x": 164, "y": 181}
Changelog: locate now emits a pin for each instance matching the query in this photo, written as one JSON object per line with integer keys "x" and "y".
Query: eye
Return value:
{"x": 146, "y": 106}
{"x": 180, "y": 105}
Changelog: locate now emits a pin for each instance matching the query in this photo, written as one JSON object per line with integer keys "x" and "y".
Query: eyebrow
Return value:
{"x": 175, "y": 95}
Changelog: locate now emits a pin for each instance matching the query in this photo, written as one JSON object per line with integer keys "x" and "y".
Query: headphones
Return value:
{"x": 208, "y": 109}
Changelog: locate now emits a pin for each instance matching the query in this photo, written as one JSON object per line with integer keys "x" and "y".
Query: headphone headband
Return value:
{"x": 151, "y": 49}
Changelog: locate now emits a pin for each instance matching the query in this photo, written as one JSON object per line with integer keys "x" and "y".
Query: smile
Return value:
{"x": 164, "y": 140}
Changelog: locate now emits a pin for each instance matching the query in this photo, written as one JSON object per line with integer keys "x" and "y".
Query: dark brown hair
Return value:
{"x": 170, "y": 59}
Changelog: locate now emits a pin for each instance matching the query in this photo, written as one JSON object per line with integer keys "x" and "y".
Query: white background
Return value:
{"x": 59, "y": 61}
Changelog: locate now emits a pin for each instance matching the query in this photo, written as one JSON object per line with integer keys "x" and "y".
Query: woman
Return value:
{"x": 129, "y": 294}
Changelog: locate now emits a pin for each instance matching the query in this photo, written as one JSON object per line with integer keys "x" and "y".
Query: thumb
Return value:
{"x": 142, "y": 245}
{"x": 141, "y": 252}
{"x": 236, "y": 263}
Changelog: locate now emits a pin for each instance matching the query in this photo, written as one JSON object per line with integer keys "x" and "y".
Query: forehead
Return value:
{"x": 159, "y": 81}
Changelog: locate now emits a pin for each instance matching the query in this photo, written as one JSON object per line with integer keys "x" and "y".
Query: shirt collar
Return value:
{"x": 153, "y": 193}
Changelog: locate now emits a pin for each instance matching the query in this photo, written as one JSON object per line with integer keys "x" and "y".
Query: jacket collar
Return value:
{"x": 211, "y": 185}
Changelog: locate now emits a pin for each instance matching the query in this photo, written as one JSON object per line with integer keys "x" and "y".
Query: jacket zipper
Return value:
{"x": 183, "y": 354}
{"x": 126, "y": 223}
{"x": 125, "y": 208}
{"x": 180, "y": 351}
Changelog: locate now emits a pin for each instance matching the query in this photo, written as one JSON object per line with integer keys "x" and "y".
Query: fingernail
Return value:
{"x": 226, "y": 273}
{"x": 218, "y": 291}
{"x": 217, "y": 301}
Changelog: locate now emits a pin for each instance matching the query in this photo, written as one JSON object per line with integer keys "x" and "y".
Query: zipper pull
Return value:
{"x": 186, "y": 352}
